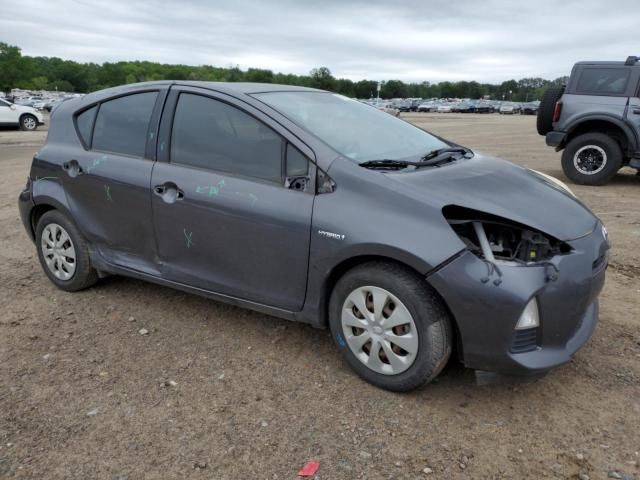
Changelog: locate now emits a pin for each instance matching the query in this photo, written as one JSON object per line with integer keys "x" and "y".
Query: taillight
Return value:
{"x": 557, "y": 111}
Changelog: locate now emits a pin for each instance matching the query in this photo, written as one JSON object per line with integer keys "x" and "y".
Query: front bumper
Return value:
{"x": 486, "y": 313}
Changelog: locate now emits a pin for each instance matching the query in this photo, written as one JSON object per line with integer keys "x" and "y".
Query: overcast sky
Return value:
{"x": 410, "y": 40}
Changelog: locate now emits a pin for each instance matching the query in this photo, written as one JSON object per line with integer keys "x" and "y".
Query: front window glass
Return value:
{"x": 355, "y": 130}
{"x": 211, "y": 134}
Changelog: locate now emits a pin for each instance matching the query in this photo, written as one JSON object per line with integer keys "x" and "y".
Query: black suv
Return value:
{"x": 595, "y": 119}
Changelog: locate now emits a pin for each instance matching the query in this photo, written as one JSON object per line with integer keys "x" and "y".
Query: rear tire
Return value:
{"x": 406, "y": 295}
{"x": 544, "y": 122}
{"x": 591, "y": 159}
{"x": 65, "y": 262}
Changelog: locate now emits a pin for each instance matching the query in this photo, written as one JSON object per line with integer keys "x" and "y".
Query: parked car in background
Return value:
{"x": 52, "y": 104}
{"x": 262, "y": 195}
{"x": 509, "y": 108}
{"x": 444, "y": 108}
{"x": 415, "y": 102}
{"x": 465, "y": 107}
{"x": 595, "y": 120}
{"x": 484, "y": 107}
{"x": 530, "y": 108}
{"x": 427, "y": 107}
{"x": 27, "y": 118}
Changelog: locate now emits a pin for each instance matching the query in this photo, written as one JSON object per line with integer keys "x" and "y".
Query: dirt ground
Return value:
{"x": 217, "y": 392}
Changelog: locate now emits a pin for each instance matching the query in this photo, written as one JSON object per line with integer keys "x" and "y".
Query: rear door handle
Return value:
{"x": 73, "y": 168}
{"x": 169, "y": 192}
{"x": 636, "y": 111}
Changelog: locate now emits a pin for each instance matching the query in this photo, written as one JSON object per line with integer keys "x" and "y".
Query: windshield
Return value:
{"x": 355, "y": 130}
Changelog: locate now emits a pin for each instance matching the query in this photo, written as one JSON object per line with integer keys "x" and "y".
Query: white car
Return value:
{"x": 446, "y": 108}
{"x": 27, "y": 118}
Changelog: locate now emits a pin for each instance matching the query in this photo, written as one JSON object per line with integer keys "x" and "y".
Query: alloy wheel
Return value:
{"x": 590, "y": 159}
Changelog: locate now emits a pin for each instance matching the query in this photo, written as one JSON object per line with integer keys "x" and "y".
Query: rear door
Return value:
{"x": 227, "y": 217}
{"x": 107, "y": 182}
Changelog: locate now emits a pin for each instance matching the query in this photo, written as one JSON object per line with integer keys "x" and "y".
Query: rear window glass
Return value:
{"x": 84, "y": 121}
{"x": 122, "y": 124}
{"x": 603, "y": 81}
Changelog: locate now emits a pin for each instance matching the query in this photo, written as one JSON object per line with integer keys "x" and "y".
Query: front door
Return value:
{"x": 224, "y": 220}
{"x": 107, "y": 183}
{"x": 7, "y": 115}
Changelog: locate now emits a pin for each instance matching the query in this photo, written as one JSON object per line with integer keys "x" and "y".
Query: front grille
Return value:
{"x": 524, "y": 340}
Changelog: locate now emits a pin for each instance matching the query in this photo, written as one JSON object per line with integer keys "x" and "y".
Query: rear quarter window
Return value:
{"x": 603, "y": 81}
{"x": 122, "y": 124}
{"x": 84, "y": 123}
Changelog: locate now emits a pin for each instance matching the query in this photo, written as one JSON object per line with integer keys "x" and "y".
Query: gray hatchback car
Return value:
{"x": 313, "y": 207}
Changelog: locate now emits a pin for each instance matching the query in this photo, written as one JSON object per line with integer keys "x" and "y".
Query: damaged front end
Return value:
{"x": 523, "y": 300}
{"x": 497, "y": 241}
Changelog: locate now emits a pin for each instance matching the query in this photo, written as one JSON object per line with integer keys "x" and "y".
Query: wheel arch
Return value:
{"x": 611, "y": 126}
{"x": 27, "y": 114}
{"x": 42, "y": 207}
{"x": 341, "y": 268}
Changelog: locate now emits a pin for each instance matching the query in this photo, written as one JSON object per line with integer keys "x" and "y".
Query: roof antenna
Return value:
{"x": 631, "y": 61}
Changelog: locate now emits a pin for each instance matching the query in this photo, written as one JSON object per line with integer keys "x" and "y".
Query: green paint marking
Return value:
{"x": 151, "y": 135}
{"x": 107, "y": 190}
{"x": 97, "y": 162}
{"x": 162, "y": 147}
{"x": 188, "y": 237}
{"x": 211, "y": 190}
{"x": 254, "y": 199}
{"x": 45, "y": 178}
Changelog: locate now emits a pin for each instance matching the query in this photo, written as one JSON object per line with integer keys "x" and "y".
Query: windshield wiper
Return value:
{"x": 431, "y": 159}
{"x": 386, "y": 164}
{"x": 441, "y": 154}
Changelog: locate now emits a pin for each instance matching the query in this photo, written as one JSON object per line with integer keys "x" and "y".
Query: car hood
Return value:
{"x": 500, "y": 188}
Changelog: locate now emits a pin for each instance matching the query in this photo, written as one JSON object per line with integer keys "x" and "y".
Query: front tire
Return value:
{"x": 64, "y": 253}
{"x": 390, "y": 326}
{"x": 591, "y": 159}
{"x": 28, "y": 122}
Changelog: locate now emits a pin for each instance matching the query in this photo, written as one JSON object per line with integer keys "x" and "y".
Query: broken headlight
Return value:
{"x": 495, "y": 238}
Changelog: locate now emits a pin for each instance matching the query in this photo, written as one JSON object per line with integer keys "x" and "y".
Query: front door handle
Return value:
{"x": 636, "y": 111}
{"x": 169, "y": 192}
{"x": 73, "y": 168}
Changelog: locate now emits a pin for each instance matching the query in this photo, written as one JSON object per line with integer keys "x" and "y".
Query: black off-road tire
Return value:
{"x": 432, "y": 320}
{"x": 613, "y": 161}
{"x": 85, "y": 275}
{"x": 544, "y": 122}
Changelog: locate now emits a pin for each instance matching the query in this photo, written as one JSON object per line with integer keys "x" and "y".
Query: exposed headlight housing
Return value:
{"x": 530, "y": 317}
{"x": 495, "y": 238}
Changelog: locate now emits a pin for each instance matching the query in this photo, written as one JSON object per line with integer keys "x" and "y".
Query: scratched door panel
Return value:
{"x": 232, "y": 235}
{"x": 110, "y": 197}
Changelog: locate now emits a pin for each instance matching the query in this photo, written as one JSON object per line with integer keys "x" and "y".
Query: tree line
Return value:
{"x": 51, "y": 73}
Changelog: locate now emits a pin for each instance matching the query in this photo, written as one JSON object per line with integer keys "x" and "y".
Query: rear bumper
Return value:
{"x": 555, "y": 139}
{"x": 486, "y": 314}
{"x": 25, "y": 205}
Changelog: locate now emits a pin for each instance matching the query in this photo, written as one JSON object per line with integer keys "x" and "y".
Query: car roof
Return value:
{"x": 611, "y": 63}
{"x": 228, "y": 87}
